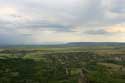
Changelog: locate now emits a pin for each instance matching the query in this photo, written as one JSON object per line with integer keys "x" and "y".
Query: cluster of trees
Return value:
{"x": 57, "y": 68}
{"x": 52, "y": 68}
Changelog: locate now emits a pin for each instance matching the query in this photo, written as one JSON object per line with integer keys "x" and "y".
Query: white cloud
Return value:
{"x": 7, "y": 10}
{"x": 118, "y": 28}
{"x": 28, "y": 21}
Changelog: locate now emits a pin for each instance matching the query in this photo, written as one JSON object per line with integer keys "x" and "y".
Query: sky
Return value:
{"x": 61, "y": 21}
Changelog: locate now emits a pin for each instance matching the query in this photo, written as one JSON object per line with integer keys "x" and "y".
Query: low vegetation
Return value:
{"x": 63, "y": 65}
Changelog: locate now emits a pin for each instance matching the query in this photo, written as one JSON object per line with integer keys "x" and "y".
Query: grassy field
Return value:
{"x": 101, "y": 64}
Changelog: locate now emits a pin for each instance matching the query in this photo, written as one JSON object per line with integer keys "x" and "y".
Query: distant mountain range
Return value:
{"x": 96, "y": 44}
{"x": 69, "y": 44}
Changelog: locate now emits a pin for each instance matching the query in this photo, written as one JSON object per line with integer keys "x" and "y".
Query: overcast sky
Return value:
{"x": 58, "y": 21}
